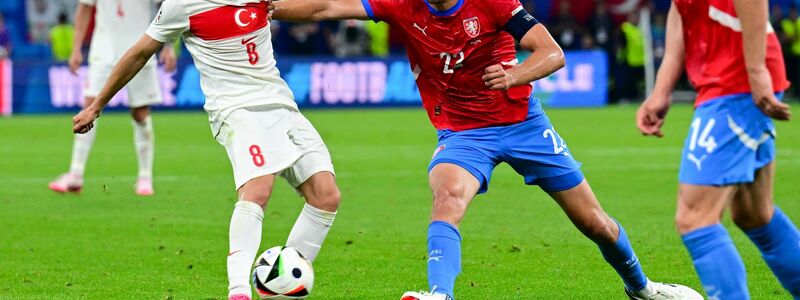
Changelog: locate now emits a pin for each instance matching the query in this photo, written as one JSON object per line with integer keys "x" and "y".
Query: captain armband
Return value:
{"x": 520, "y": 23}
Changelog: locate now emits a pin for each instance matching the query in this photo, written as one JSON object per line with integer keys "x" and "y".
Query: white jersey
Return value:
{"x": 230, "y": 42}
{"x": 118, "y": 25}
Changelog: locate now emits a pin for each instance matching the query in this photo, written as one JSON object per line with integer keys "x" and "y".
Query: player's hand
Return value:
{"x": 651, "y": 114}
{"x": 270, "y": 9}
{"x": 168, "y": 58}
{"x": 84, "y": 120}
{"x": 497, "y": 78}
{"x": 75, "y": 61}
{"x": 764, "y": 96}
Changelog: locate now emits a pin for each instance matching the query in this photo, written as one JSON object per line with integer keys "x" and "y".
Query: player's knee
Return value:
{"x": 747, "y": 220}
{"x": 257, "y": 191}
{"x": 686, "y": 222}
{"x": 449, "y": 200}
{"x": 326, "y": 199}
{"x": 693, "y": 215}
{"x": 140, "y": 114}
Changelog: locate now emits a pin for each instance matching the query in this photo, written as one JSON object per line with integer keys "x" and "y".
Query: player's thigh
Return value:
{"x": 752, "y": 205}
{"x": 314, "y": 158}
{"x": 258, "y": 143}
{"x": 144, "y": 89}
{"x": 538, "y": 153}
{"x": 701, "y": 205}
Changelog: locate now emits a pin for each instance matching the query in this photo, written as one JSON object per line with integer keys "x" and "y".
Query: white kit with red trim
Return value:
{"x": 230, "y": 42}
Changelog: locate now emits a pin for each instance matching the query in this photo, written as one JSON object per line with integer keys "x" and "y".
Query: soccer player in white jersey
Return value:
{"x": 252, "y": 114}
{"x": 118, "y": 24}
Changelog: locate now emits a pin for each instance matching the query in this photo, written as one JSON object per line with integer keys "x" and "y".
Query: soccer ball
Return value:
{"x": 283, "y": 273}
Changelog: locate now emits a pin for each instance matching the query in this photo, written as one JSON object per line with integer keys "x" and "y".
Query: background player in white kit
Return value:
{"x": 118, "y": 24}
{"x": 252, "y": 114}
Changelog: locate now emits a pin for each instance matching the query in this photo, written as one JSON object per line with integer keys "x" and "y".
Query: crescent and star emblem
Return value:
{"x": 238, "y": 19}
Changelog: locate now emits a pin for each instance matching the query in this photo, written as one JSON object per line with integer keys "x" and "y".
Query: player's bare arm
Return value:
{"x": 318, "y": 10}
{"x": 129, "y": 65}
{"x": 754, "y": 17}
{"x": 82, "y": 17}
{"x": 546, "y": 58}
{"x": 653, "y": 111}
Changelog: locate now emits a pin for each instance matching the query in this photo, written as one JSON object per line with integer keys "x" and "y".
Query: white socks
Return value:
{"x": 245, "y": 238}
{"x": 310, "y": 230}
{"x": 307, "y": 236}
{"x": 144, "y": 139}
{"x": 81, "y": 146}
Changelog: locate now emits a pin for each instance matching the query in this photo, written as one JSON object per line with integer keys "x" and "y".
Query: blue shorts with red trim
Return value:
{"x": 533, "y": 148}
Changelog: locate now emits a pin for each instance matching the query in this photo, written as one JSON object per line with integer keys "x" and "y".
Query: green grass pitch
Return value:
{"x": 109, "y": 244}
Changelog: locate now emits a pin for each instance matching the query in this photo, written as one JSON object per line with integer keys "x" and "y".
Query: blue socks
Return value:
{"x": 717, "y": 263}
{"x": 779, "y": 242}
{"x": 444, "y": 257}
{"x": 620, "y": 256}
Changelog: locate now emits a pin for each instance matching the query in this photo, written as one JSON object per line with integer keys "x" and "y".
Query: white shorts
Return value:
{"x": 267, "y": 140}
{"x": 143, "y": 89}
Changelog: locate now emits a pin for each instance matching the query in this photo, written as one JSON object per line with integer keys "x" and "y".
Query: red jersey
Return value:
{"x": 712, "y": 34}
{"x": 449, "y": 52}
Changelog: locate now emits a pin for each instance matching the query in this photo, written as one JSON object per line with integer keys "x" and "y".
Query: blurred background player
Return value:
{"x": 252, "y": 114}
{"x": 733, "y": 58}
{"x": 477, "y": 96}
{"x": 117, "y": 26}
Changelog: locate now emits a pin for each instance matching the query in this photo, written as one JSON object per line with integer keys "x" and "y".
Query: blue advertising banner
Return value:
{"x": 41, "y": 87}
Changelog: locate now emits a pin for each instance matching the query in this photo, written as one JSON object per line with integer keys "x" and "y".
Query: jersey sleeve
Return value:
{"x": 380, "y": 10}
{"x": 88, "y": 2}
{"x": 503, "y": 10}
{"x": 170, "y": 22}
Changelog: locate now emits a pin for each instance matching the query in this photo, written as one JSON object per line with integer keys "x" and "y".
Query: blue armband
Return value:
{"x": 521, "y": 22}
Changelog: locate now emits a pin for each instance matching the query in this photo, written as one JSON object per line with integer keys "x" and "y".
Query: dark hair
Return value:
{"x": 62, "y": 18}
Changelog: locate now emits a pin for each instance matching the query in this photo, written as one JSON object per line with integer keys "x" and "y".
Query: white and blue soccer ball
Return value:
{"x": 283, "y": 273}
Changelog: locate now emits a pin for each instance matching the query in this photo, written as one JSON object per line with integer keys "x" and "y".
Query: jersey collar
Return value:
{"x": 444, "y": 13}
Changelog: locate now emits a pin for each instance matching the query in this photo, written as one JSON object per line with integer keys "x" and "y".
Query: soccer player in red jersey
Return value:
{"x": 478, "y": 97}
{"x": 733, "y": 59}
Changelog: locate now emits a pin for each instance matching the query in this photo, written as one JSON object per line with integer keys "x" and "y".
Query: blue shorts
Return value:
{"x": 532, "y": 148}
{"x": 729, "y": 140}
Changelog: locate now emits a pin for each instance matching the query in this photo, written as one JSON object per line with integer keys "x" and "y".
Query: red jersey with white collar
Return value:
{"x": 449, "y": 52}
{"x": 712, "y": 34}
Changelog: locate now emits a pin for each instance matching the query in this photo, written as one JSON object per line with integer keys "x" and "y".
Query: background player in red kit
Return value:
{"x": 733, "y": 59}
{"x": 479, "y": 99}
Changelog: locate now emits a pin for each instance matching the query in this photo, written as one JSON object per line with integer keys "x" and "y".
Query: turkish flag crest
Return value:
{"x": 472, "y": 26}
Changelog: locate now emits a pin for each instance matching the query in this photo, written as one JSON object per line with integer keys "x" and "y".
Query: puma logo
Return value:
{"x": 697, "y": 161}
{"x": 421, "y": 29}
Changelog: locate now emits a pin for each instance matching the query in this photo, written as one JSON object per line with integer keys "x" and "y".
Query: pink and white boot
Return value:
{"x": 67, "y": 183}
{"x": 144, "y": 186}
